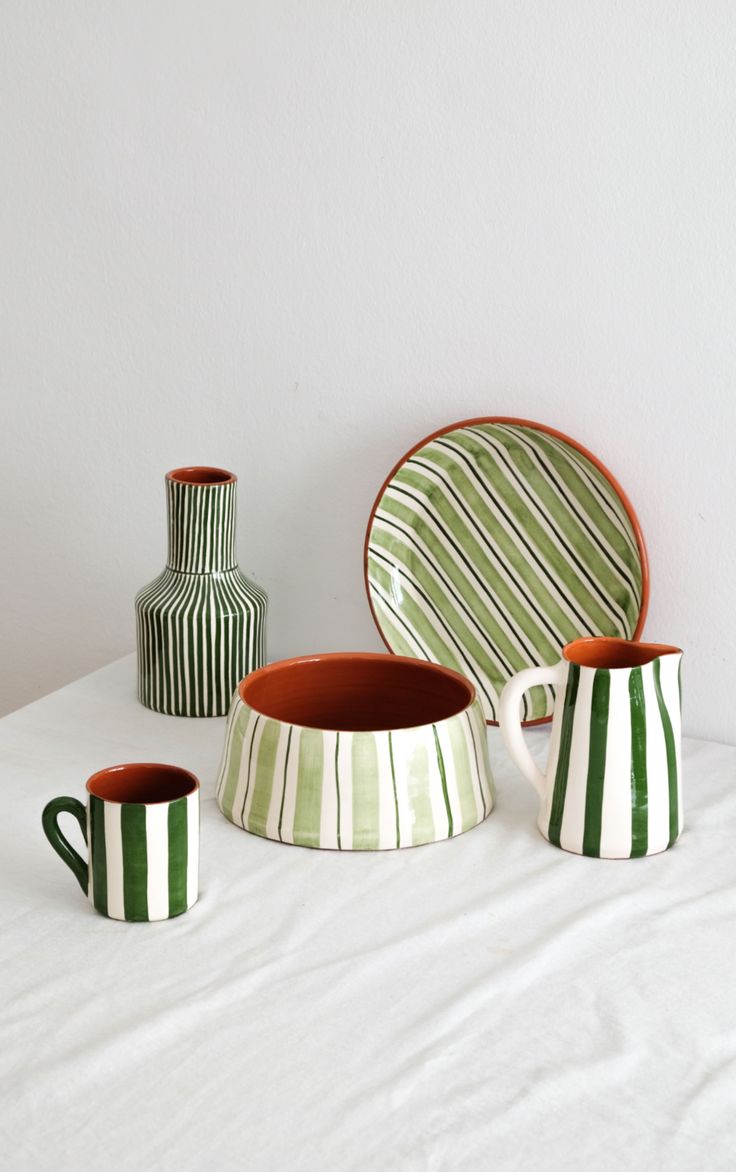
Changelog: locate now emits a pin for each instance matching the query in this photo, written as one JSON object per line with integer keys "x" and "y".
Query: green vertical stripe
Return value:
{"x": 234, "y": 736}
{"x": 248, "y": 774}
{"x": 563, "y": 760}
{"x": 308, "y": 811}
{"x": 639, "y": 793}
{"x": 441, "y": 766}
{"x": 135, "y": 861}
{"x": 97, "y": 854}
{"x": 669, "y": 741}
{"x": 283, "y": 788}
{"x": 365, "y": 791}
{"x": 178, "y": 850}
{"x": 596, "y": 763}
{"x": 464, "y": 774}
{"x": 263, "y": 782}
{"x": 481, "y": 787}
{"x": 418, "y": 789}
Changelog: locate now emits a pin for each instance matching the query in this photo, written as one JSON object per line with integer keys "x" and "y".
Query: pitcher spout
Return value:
{"x": 613, "y": 653}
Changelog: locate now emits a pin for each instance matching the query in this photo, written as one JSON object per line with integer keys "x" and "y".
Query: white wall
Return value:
{"x": 291, "y": 238}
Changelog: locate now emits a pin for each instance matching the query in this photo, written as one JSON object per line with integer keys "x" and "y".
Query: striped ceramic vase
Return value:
{"x": 612, "y": 788}
{"x": 355, "y": 790}
{"x": 201, "y": 623}
{"x": 143, "y": 852}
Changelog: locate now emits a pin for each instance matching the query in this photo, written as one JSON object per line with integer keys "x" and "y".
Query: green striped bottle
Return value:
{"x": 613, "y": 784}
{"x": 201, "y": 623}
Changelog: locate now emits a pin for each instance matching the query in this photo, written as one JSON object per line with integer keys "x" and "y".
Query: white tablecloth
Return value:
{"x": 488, "y": 1002}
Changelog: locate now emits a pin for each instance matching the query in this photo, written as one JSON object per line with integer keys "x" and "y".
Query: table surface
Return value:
{"x": 488, "y": 1002}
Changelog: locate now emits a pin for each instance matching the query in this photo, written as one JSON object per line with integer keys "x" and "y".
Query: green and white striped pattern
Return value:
{"x": 143, "y": 859}
{"x": 201, "y": 624}
{"x": 355, "y": 790}
{"x": 614, "y": 785}
{"x": 492, "y": 546}
{"x": 201, "y": 526}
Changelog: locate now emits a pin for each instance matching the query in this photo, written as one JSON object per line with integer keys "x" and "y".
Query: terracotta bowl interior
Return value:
{"x": 353, "y": 693}
{"x": 201, "y": 476}
{"x": 142, "y": 783}
{"x": 612, "y": 653}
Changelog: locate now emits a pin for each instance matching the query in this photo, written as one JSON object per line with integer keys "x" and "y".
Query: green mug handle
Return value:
{"x": 63, "y": 848}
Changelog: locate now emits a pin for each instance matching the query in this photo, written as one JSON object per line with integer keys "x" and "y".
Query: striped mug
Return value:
{"x": 141, "y": 826}
{"x": 612, "y": 787}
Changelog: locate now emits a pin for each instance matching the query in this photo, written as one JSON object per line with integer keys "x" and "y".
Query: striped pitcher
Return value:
{"x": 141, "y": 826}
{"x": 612, "y": 788}
{"x": 201, "y": 623}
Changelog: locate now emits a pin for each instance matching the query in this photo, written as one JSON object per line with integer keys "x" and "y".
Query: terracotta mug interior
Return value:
{"x": 142, "y": 784}
{"x": 354, "y": 692}
{"x": 613, "y": 653}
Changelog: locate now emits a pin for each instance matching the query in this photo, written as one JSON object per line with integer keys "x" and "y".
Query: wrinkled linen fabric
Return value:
{"x": 488, "y": 1002}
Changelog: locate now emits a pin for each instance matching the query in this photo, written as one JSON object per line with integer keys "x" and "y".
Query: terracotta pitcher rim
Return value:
{"x": 609, "y": 653}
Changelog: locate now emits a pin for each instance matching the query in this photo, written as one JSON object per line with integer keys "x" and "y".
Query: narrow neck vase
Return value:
{"x": 201, "y": 623}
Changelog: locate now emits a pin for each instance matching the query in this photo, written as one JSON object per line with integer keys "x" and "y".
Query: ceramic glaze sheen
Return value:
{"x": 492, "y": 544}
{"x": 393, "y": 770}
{"x": 141, "y": 826}
{"x": 613, "y": 786}
{"x": 201, "y": 623}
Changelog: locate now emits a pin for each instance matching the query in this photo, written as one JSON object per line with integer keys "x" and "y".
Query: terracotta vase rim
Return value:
{"x": 211, "y": 477}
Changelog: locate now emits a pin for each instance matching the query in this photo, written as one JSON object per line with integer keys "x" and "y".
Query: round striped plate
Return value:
{"x": 492, "y": 544}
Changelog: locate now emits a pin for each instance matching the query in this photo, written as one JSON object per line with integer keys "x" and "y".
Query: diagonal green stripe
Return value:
{"x": 563, "y": 761}
{"x": 669, "y": 741}
{"x": 514, "y": 482}
{"x": 639, "y": 791}
{"x": 429, "y": 563}
{"x": 596, "y": 763}
{"x": 470, "y": 520}
{"x": 589, "y": 529}
{"x": 440, "y": 615}
{"x": 135, "y": 861}
{"x": 178, "y": 848}
{"x": 436, "y": 641}
{"x": 594, "y": 490}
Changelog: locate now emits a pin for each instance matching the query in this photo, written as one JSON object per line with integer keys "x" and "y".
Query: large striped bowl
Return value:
{"x": 355, "y": 751}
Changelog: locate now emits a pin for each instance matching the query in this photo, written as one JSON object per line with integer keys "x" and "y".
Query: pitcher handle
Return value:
{"x": 510, "y": 721}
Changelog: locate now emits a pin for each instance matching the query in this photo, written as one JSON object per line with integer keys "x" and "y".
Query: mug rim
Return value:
{"x": 159, "y": 767}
